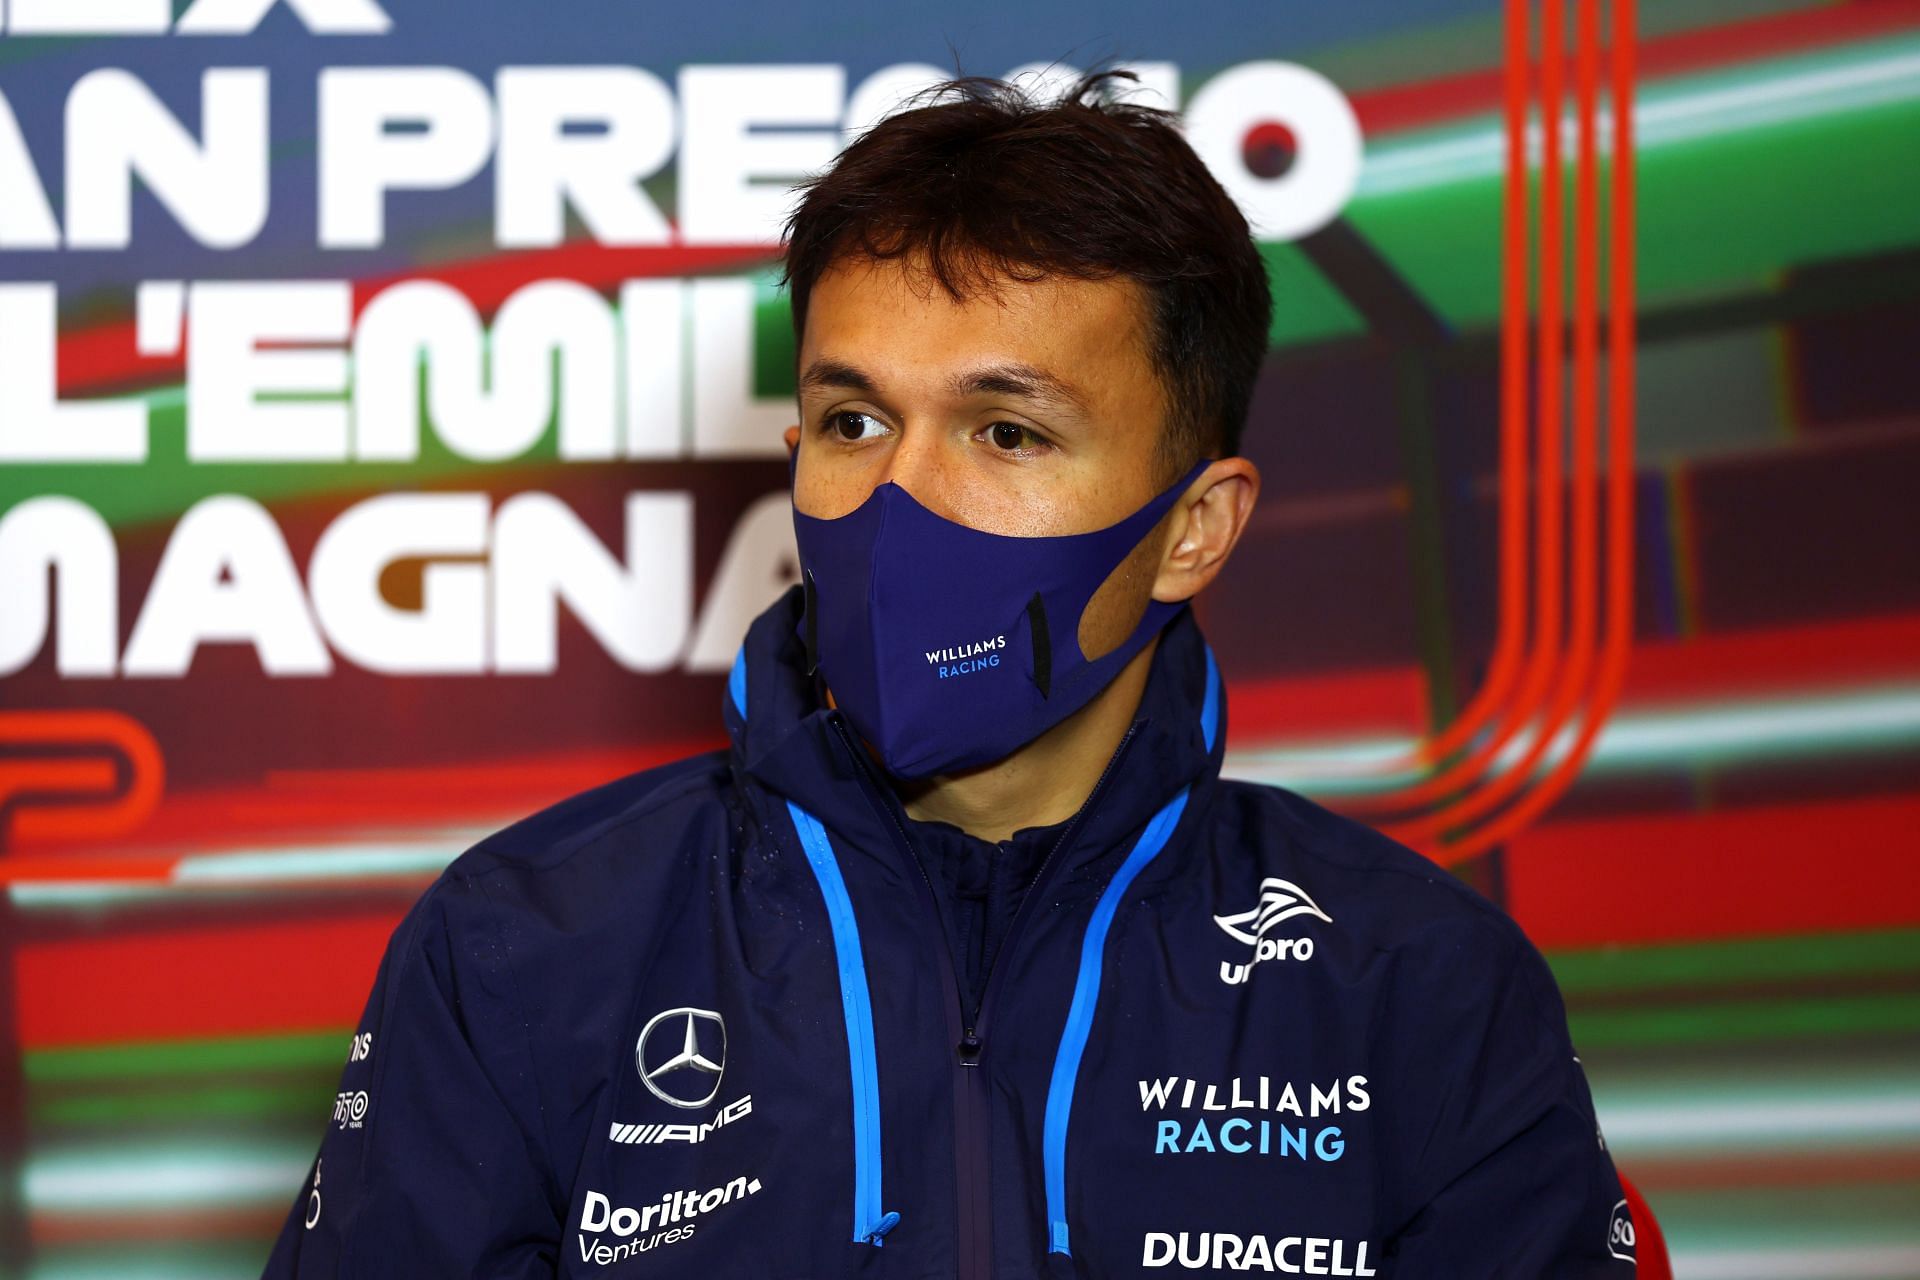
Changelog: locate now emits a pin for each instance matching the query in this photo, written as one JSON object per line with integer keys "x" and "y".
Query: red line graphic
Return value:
{"x": 95, "y": 810}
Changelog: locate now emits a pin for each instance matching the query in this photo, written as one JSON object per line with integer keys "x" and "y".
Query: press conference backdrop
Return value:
{"x": 390, "y": 398}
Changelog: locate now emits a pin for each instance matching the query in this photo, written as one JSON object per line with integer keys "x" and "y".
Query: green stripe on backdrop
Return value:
{"x": 1736, "y": 962}
{"x": 222, "y": 1101}
{"x": 140, "y": 1062}
{"x": 1697, "y": 993}
{"x": 1767, "y": 1018}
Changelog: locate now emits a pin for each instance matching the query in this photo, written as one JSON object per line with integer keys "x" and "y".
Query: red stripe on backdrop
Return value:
{"x": 1810, "y": 658}
{"x": 53, "y": 1230}
{"x": 1773, "y": 869}
{"x": 1814, "y": 659}
{"x": 212, "y": 981}
{"x": 1410, "y": 106}
{"x": 1393, "y": 700}
{"x": 332, "y": 804}
{"x": 297, "y": 803}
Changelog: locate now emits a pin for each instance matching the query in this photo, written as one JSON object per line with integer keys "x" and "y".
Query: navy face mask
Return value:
{"x": 948, "y": 647}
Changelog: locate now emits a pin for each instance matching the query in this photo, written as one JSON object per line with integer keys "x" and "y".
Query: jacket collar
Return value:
{"x": 789, "y": 741}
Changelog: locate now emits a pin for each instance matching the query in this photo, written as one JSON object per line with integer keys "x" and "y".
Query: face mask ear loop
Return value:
{"x": 1156, "y": 614}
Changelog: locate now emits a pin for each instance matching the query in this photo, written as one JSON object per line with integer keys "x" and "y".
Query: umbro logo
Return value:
{"x": 1280, "y": 901}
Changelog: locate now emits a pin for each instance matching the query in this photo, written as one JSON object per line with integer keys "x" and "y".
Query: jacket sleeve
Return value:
{"x": 433, "y": 1161}
{"x": 1511, "y": 1175}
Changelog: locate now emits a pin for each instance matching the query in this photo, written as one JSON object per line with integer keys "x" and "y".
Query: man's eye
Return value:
{"x": 1012, "y": 437}
{"x": 851, "y": 426}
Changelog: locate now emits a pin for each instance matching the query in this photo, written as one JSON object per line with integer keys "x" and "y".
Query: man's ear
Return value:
{"x": 1204, "y": 526}
{"x": 792, "y": 436}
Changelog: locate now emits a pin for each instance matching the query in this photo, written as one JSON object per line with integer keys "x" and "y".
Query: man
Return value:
{"x": 963, "y": 960}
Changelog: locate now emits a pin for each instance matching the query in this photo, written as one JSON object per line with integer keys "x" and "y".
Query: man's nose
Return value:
{"x": 923, "y": 464}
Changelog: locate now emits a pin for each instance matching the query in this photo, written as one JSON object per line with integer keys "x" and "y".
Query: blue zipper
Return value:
{"x": 870, "y": 1222}
{"x": 1086, "y": 993}
{"x": 1086, "y": 986}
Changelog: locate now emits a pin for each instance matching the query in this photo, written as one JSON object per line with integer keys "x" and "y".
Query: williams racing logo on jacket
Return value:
{"x": 1280, "y": 901}
{"x": 1252, "y": 1116}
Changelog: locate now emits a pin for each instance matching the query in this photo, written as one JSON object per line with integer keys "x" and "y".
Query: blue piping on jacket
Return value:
{"x": 1086, "y": 987}
{"x": 870, "y": 1223}
{"x": 737, "y": 682}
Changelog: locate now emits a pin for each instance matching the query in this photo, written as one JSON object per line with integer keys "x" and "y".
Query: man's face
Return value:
{"x": 1029, "y": 409}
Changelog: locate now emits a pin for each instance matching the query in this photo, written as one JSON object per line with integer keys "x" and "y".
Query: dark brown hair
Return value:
{"x": 986, "y": 182}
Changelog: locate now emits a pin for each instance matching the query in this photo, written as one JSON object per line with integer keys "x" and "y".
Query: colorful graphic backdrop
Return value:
{"x": 390, "y": 398}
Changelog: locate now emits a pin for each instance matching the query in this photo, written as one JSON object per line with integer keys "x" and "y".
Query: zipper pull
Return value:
{"x": 888, "y": 1221}
{"x": 969, "y": 1049}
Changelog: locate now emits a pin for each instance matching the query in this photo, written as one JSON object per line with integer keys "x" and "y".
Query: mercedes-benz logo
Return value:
{"x": 677, "y": 1070}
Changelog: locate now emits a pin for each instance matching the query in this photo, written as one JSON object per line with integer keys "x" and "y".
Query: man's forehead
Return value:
{"x": 962, "y": 281}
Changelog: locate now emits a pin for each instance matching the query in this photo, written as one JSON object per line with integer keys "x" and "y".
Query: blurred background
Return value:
{"x": 1642, "y": 666}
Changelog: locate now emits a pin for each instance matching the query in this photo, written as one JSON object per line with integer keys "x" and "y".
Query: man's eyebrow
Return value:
{"x": 1019, "y": 380}
{"x": 1013, "y": 379}
{"x": 826, "y": 372}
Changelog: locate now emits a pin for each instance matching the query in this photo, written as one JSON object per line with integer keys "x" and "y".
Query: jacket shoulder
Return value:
{"x": 566, "y": 828}
{"x": 587, "y": 860}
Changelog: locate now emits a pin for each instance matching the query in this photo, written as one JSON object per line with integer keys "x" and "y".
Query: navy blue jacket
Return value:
{"x": 704, "y": 1021}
